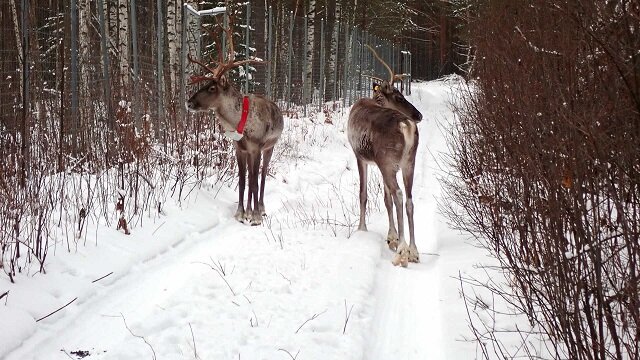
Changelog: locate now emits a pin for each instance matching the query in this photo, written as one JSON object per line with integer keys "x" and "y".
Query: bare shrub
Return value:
{"x": 547, "y": 172}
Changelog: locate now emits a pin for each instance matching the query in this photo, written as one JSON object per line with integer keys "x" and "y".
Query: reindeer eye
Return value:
{"x": 213, "y": 88}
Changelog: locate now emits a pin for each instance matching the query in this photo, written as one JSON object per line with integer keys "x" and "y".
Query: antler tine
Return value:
{"x": 196, "y": 61}
{"x": 391, "y": 74}
{"x": 213, "y": 33}
{"x": 230, "y": 65}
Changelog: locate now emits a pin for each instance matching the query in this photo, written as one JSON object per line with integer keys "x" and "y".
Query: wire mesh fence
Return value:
{"x": 93, "y": 129}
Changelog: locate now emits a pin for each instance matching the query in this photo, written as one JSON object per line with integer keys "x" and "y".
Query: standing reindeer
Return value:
{"x": 252, "y": 121}
{"x": 383, "y": 131}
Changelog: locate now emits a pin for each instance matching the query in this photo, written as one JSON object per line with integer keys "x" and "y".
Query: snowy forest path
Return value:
{"x": 304, "y": 283}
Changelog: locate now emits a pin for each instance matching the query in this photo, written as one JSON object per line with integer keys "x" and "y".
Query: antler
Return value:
{"x": 231, "y": 54}
{"x": 222, "y": 66}
{"x": 199, "y": 78}
{"x": 391, "y": 74}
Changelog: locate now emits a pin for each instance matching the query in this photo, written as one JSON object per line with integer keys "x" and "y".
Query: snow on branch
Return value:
{"x": 535, "y": 48}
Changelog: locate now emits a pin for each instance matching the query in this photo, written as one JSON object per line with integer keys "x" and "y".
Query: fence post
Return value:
{"x": 246, "y": 48}
{"x": 269, "y": 54}
{"x": 393, "y": 57}
{"x": 322, "y": 56}
{"x": 74, "y": 73}
{"x": 363, "y": 37}
{"x": 136, "y": 65}
{"x": 289, "y": 53}
{"x": 183, "y": 62}
{"x": 345, "y": 77}
{"x": 355, "y": 58}
{"x": 225, "y": 24}
{"x": 304, "y": 65}
{"x": 410, "y": 74}
{"x": 25, "y": 92}
{"x": 336, "y": 70}
{"x": 160, "y": 70}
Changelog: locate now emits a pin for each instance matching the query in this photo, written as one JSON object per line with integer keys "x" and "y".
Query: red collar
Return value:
{"x": 245, "y": 115}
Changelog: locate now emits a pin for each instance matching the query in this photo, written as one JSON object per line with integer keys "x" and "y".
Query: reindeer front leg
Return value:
{"x": 241, "y": 159}
{"x": 252, "y": 215}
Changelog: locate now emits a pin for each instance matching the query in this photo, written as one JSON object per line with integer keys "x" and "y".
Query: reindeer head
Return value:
{"x": 211, "y": 95}
{"x": 388, "y": 96}
{"x": 385, "y": 94}
{"x": 217, "y": 88}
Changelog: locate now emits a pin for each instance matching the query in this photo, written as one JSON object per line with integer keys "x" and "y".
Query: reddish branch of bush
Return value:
{"x": 547, "y": 172}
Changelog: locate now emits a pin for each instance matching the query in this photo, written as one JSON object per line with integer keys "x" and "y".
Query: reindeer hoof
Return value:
{"x": 254, "y": 218}
{"x": 261, "y": 208}
{"x": 414, "y": 255}
{"x": 393, "y": 243}
{"x": 239, "y": 215}
{"x": 402, "y": 256}
{"x": 392, "y": 240}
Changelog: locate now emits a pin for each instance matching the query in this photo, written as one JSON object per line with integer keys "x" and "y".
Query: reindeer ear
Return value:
{"x": 224, "y": 82}
{"x": 386, "y": 87}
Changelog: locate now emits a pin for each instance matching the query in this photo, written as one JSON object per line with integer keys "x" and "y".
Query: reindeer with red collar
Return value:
{"x": 254, "y": 123}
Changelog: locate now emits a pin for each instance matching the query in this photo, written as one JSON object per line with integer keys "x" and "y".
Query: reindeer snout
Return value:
{"x": 190, "y": 105}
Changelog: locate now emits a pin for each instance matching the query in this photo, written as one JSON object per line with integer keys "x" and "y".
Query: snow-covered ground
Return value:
{"x": 304, "y": 285}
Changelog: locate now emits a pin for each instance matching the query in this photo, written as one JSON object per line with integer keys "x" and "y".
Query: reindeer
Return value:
{"x": 383, "y": 131}
{"x": 252, "y": 121}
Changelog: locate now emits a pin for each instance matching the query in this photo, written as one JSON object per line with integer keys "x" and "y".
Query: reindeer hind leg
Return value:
{"x": 407, "y": 176}
{"x": 263, "y": 175}
{"x": 362, "y": 172}
{"x": 252, "y": 214}
{"x": 392, "y": 235}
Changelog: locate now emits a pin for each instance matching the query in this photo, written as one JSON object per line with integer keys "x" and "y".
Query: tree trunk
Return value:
{"x": 310, "y": 45}
{"x": 333, "y": 51}
{"x": 123, "y": 44}
{"x": 14, "y": 16}
{"x": 172, "y": 42}
{"x": 112, "y": 20}
{"x": 84, "y": 18}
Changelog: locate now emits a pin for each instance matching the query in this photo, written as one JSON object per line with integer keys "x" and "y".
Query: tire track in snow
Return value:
{"x": 131, "y": 291}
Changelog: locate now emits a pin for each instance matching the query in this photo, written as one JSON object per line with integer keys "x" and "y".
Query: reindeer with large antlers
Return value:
{"x": 252, "y": 121}
{"x": 383, "y": 131}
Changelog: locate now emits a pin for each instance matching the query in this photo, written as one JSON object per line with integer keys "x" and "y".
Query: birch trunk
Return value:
{"x": 112, "y": 20}
{"x": 123, "y": 44}
{"x": 310, "y": 44}
{"x": 84, "y": 18}
{"x": 333, "y": 50}
{"x": 172, "y": 43}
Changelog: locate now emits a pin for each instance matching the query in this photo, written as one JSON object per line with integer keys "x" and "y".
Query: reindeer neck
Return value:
{"x": 379, "y": 99}
{"x": 230, "y": 111}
